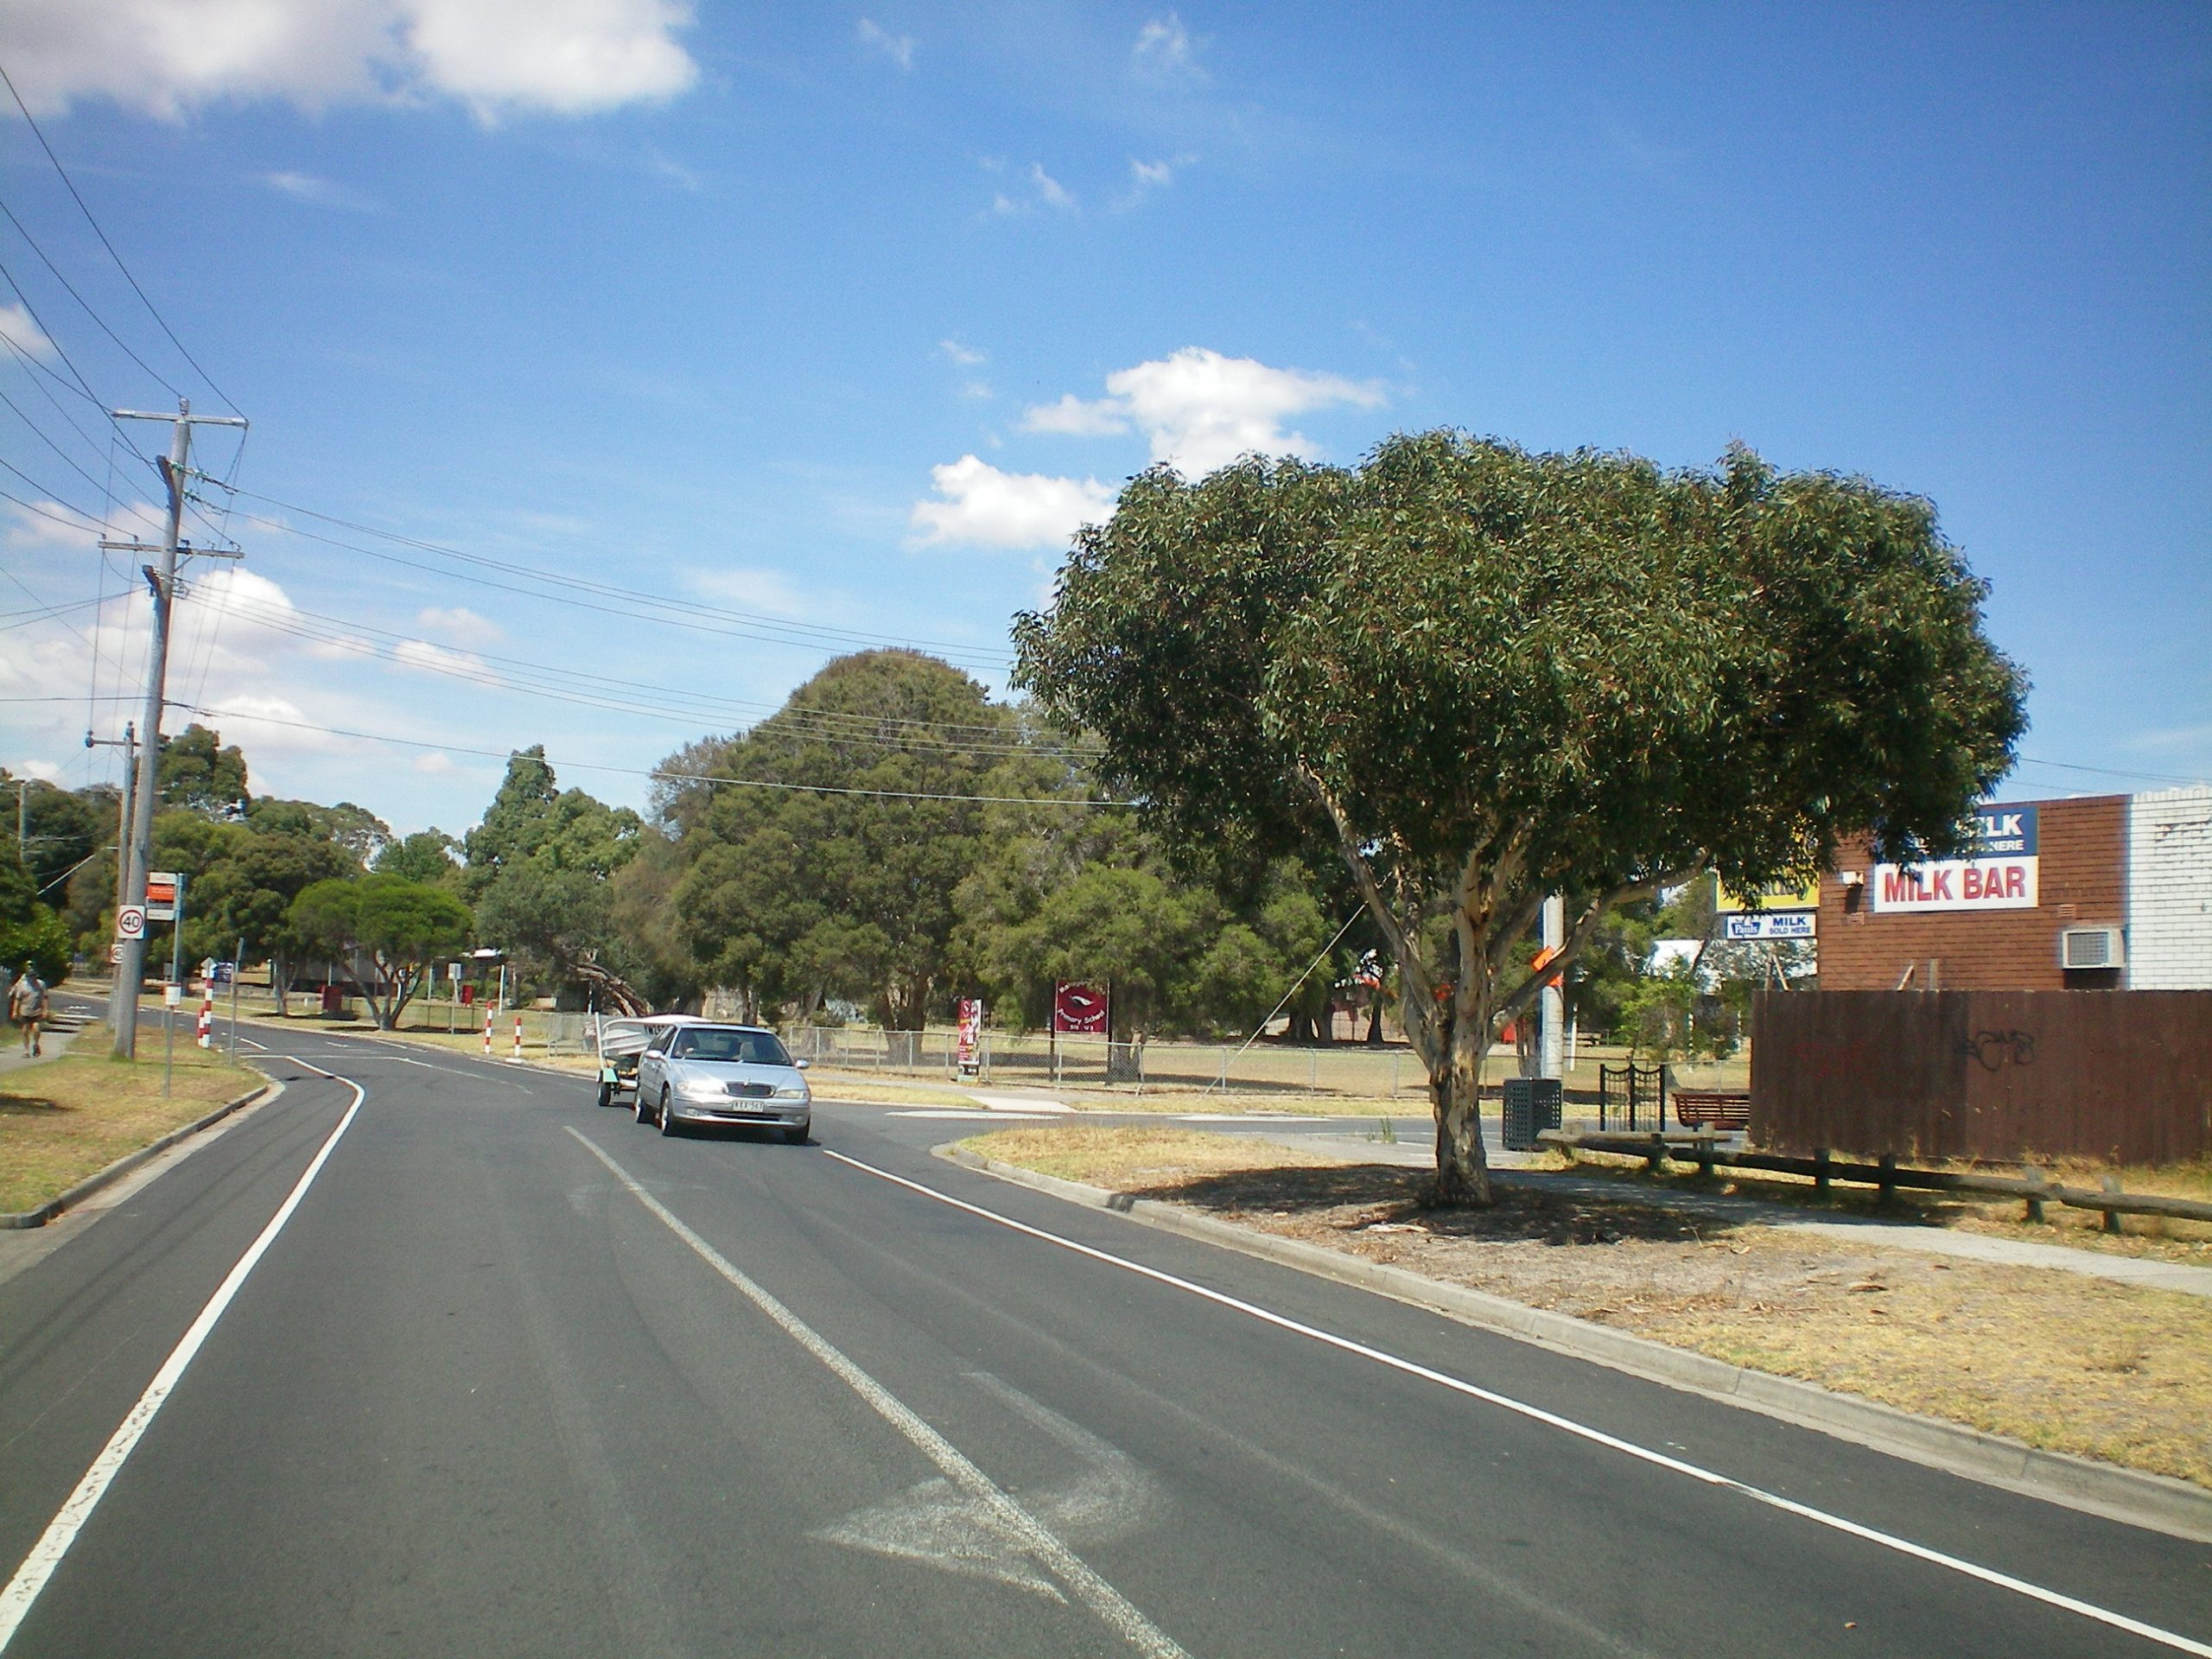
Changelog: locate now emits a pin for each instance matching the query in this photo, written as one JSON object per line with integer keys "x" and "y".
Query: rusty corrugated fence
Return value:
{"x": 1989, "y": 1075}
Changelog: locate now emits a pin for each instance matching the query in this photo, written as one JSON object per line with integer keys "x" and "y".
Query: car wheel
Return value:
{"x": 638, "y": 1106}
{"x": 606, "y": 1095}
{"x": 667, "y": 1117}
{"x": 797, "y": 1132}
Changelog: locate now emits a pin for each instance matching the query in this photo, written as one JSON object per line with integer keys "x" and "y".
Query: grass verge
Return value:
{"x": 73, "y": 1116}
{"x": 2057, "y": 1360}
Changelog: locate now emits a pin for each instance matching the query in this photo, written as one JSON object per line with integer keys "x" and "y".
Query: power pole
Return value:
{"x": 137, "y": 857}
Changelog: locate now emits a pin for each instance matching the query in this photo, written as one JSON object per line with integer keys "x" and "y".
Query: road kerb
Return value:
{"x": 2156, "y": 1501}
{"x": 122, "y": 1165}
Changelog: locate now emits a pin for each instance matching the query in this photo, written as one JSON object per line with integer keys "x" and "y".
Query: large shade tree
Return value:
{"x": 1480, "y": 675}
{"x": 391, "y": 932}
{"x": 821, "y": 849}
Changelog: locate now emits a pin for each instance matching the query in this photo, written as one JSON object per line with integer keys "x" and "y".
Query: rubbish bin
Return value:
{"x": 1532, "y": 1105}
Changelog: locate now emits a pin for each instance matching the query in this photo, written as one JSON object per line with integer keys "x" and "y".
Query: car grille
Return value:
{"x": 751, "y": 1090}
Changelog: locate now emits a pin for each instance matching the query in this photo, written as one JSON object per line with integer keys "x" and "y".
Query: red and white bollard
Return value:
{"x": 515, "y": 1058}
{"x": 207, "y": 1038}
{"x": 487, "y": 1034}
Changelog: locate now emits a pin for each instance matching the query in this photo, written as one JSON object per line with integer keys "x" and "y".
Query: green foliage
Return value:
{"x": 425, "y": 857}
{"x": 392, "y": 932}
{"x": 29, "y": 932}
{"x": 797, "y": 895}
{"x": 1479, "y": 676}
{"x": 197, "y": 773}
{"x": 359, "y": 832}
{"x": 538, "y": 874}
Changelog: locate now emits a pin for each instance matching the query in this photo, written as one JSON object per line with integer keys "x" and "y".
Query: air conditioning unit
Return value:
{"x": 2091, "y": 947}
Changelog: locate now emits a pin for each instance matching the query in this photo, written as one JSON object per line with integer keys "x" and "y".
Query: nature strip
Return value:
{"x": 125, "y": 1165}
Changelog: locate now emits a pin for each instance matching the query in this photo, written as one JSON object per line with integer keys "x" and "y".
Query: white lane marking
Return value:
{"x": 1018, "y": 1102}
{"x": 967, "y": 1112}
{"x": 1013, "y": 1522}
{"x": 425, "y": 1065}
{"x": 1567, "y": 1425}
{"x": 250, "y": 1043}
{"x": 46, "y": 1555}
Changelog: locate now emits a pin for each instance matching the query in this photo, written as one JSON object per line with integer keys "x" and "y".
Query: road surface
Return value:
{"x": 512, "y": 1374}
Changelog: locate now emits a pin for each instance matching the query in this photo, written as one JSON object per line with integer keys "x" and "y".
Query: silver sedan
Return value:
{"x": 723, "y": 1074}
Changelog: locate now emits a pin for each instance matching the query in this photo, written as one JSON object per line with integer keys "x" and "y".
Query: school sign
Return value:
{"x": 1999, "y": 875}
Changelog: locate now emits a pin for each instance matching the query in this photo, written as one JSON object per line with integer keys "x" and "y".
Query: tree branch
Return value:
{"x": 1525, "y": 992}
{"x": 1417, "y": 990}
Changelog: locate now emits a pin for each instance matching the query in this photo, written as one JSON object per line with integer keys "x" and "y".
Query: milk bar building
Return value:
{"x": 2099, "y": 893}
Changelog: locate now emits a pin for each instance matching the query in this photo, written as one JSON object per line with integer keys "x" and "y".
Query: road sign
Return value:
{"x": 130, "y": 922}
{"x": 161, "y": 895}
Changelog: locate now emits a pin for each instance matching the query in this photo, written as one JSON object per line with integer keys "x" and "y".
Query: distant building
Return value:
{"x": 2101, "y": 893}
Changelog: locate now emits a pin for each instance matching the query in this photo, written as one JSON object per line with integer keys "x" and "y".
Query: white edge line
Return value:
{"x": 1567, "y": 1425}
{"x": 1094, "y": 1592}
{"x": 22, "y": 1590}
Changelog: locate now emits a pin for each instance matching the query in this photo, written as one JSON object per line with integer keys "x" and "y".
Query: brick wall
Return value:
{"x": 2169, "y": 890}
{"x": 2081, "y": 882}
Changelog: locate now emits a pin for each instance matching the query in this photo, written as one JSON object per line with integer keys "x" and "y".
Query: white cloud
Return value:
{"x": 321, "y": 193}
{"x": 1050, "y": 190}
{"x": 1164, "y": 52}
{"x": 437, "y": 763}
{"x": 426, "y": 658}
{"x": 966, "y": 356}
{"x": 44, "y": 771}
{"x": 899, "y": 48}
{"x": 1042, "y": 190}
{"x": 167, "y": 58}
{"x": 1077, "y": 417}
{"x": 768, "y": 591}
{"x": 459, "y": 624}
{"x": 987, "y": 507}
{"x": 26, "y": 336}
{"x": 980, "y": 389}
{"x": 1201, "y": 410}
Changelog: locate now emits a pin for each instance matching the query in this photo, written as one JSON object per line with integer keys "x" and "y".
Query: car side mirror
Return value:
{"x": 801, "y": 1065}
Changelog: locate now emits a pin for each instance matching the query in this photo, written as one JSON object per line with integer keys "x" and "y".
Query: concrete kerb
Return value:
{"x": 2155, "y": 1502}
{"x": 122, "y": 1165}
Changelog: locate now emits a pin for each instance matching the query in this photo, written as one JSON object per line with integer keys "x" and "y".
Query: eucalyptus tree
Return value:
{"x": 1478, "y": 675}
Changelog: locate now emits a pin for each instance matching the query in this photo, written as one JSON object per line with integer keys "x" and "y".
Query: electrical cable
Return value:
{"x": 90, "y": 522}
{"x": 84, "y": 304}
{"x": 87, "y": 211}
{"x": 655, "y": 771}
{"x": 786, "y": 631}
{"x": 685, "y": 707}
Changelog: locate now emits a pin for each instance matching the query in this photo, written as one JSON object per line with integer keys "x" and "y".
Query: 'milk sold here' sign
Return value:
{"x": 1999, "y": 874}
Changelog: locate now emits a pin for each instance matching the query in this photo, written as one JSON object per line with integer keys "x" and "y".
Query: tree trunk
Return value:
{"x": 1374, "y": 1019}
{"x": 1456, "y": 1075}
{"x": 280, "y": 982}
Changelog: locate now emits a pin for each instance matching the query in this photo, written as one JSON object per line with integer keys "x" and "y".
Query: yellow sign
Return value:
{"x": 1776, "y": 895}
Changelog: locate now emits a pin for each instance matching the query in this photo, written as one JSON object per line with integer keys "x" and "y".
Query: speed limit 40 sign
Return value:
{"x": 130, "y": 922}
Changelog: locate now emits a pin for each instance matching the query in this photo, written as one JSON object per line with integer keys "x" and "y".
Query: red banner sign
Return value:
{"x": 1078, "y": 1010}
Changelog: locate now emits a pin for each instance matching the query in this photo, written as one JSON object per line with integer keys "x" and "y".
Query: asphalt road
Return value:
{"x": 515, "y": 1376}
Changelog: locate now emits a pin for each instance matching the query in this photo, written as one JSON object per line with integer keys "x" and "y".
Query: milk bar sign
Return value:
{"x": 2000, "y": 873}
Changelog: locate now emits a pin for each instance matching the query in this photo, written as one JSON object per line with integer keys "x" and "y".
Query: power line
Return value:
{"x": 87, "y": 211}
{"x": 655, "y": 771}
{"x": 565, "y": 684}
{"x": 30, "y": 506}
{"x": 782, "y": 630}
{"x": 84, "y": 304}
{"x": 2109, "y": 771}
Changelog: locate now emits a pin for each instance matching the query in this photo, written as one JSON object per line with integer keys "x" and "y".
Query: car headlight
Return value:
{"x": 701, "y": 1089}
{"x": 791, "y": 1091}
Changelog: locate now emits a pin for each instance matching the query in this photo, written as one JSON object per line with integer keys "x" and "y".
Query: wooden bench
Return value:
{"x": 1712, "y": 1109}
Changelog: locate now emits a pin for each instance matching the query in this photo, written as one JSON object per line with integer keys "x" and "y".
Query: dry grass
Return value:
{"x": 1127, "y": 1158}
{"x": 2054, "y": 1359}
{"x": 71, "y": 1117}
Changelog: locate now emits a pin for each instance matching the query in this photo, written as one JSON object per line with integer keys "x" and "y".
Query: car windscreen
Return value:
{"x": 734, "y": 1047}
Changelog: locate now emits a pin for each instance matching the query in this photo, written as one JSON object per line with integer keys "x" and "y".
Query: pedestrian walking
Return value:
{"x": 26, "y": 1006}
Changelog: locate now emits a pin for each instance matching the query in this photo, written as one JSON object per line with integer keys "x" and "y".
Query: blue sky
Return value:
{"x": 840, "y": 318}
